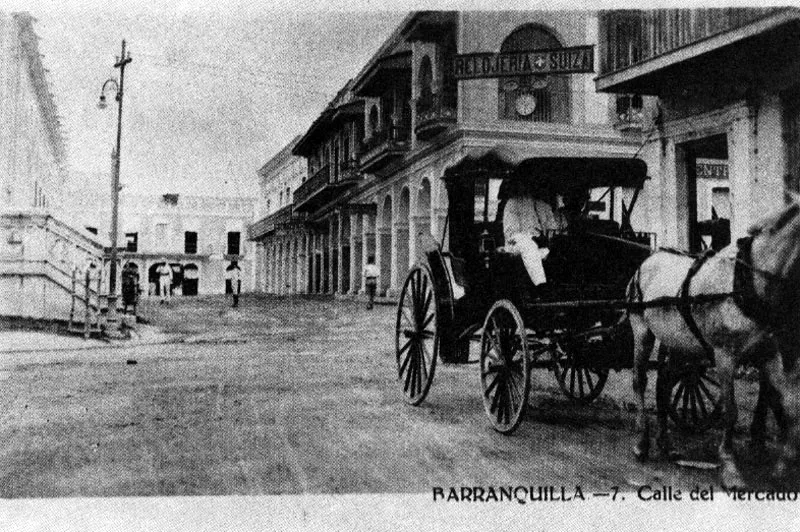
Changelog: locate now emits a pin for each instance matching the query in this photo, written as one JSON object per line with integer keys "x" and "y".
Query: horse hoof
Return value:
{"x": 641, "y": 452}
{"x": 732, "y": 480}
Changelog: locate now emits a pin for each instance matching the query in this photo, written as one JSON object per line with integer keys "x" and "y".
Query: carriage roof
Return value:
{"x": 556, "y": 175}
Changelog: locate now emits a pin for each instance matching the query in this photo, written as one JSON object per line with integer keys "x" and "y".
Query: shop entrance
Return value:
{"x": 704, "y": 202}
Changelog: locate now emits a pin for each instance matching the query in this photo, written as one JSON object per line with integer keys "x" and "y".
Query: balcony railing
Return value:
{"x": 435, "y": 112}
{"x": 630, "y": 37}
{"x": 282, "y": 217}
{"x": 320, "y": 178}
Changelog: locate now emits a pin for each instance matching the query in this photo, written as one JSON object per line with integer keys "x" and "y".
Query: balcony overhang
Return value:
{"x": 384, "y": 75}
{"x": 379, "y": 157}
{"x": 326, "y": 193}
{"x": 744, "y": 53}
{"x": 269, "y": 224}
{"x": 431, "y": 26}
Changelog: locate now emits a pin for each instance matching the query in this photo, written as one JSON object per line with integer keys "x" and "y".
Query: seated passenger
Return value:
{"x": 526, "y": 218}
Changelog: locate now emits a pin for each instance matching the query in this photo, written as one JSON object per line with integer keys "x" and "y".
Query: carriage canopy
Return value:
{"x": 555, "y": 175}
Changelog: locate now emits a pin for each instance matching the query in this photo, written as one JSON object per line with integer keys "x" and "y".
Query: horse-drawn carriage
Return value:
{"x": 574, "y": 325}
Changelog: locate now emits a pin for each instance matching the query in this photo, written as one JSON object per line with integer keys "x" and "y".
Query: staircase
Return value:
{"x": 43, "y": 265}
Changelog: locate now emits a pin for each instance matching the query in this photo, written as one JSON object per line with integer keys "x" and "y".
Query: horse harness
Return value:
{"x": 744, "y": 293}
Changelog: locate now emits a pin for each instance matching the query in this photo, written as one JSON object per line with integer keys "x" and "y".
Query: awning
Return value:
{"x": 553, "y": 174}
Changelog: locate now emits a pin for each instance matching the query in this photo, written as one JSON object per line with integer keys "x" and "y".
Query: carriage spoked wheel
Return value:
{"x": 417, "y": 335}
{"x": 578, "y": 380}
{"x": 505, "y": 367}
{"x": 690, "y": 394}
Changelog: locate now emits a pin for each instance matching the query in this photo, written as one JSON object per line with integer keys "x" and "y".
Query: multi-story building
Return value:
{"x": 39, "y": 250}
{"x": 278, "y": 227}
{"x": 377, "y": 155}
{"x": 199, "y": 236}
{"x": 724, "y": 96}
{"x": 32, "y": 156}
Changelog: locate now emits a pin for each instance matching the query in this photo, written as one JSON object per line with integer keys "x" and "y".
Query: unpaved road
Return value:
{"x": 299, "y": 396}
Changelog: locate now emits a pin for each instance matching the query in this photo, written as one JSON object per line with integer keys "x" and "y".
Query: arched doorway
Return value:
{"x": 191, "y": 279}
{"x": 152, "y": 279}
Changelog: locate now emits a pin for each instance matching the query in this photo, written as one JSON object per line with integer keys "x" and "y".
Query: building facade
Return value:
{"x": 723, "y": 144}
{"x": 376, "y": 156}
{"x": 32, "y": 155}
{"x": 276, "y": 228}
{"x": 200, "y": 237}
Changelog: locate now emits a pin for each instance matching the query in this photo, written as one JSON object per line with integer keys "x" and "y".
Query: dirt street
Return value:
{"x": 299, "y": 396}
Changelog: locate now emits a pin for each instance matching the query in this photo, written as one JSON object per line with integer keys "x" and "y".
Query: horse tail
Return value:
{"x": 633, "y": 292}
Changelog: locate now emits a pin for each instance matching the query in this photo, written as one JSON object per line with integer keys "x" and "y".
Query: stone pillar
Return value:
{"x": 740, "y": 164}
{"x": 341, "y": 284}
{"x": 437, "y": 222}
{"x": 383, "y": 257}
{"x": 368, "y": 244}
{"x": 332, "y": 233}
{"x": 400, "y": 254}
{"x": 356, "y": 239}
{"x": 312, "y": 274}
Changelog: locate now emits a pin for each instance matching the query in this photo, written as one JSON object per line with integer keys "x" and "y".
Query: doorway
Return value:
{"x": 191, "y": 279}
{"x": 704, "y": 201}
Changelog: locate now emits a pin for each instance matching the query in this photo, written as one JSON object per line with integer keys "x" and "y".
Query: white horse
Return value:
{"x": 731, "y": 327}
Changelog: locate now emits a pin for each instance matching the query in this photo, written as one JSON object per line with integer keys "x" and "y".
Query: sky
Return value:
{"x": 212, "y": 92}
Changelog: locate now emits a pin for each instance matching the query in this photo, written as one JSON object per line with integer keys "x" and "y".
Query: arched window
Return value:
{"x": 538, "y": 98}
{"x": 425, "y": 82}
{"x": 288, "y": 195}
{"x": 373, "y": 120}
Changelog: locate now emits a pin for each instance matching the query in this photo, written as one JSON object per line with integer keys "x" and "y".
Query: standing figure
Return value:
{"x": 164, "y": 281}
{"x": 234, "y": 275}
{"x": 371, "y": 273}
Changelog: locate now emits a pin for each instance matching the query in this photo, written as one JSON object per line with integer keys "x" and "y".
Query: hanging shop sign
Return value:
{"x": 574, "y": 60}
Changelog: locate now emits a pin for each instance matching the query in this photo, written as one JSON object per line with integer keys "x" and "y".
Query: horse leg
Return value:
{"x": 663, "y": 440}
{"x": 643, "y": 341}
{"x": 784, "y": 401}
{"x": 766, "y": 399}
{"x": 726, "y": 367}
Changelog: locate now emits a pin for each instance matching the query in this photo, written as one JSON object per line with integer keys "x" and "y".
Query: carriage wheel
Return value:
{"x": 578, "y": 381}
{"x": 417, "y": 335}
{"x": 690, "y": 394}
{"x": 505, "y": 367}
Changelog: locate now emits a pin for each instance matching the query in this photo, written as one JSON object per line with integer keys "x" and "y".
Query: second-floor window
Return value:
{"x": 533, "y": 98}
{"x": 131, "y": 242}
{"x": 234, "y": 237}
{"x": 190, "y": 242}
{"x": 425, "y": 81}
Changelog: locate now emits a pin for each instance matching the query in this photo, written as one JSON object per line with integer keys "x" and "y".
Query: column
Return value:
{"x": 341, "y": 284}
{"x": 383, "y": 256}
{"x": 332, "y": 233}
{"x": 314, "y": 261}
{"x": 356, "y": 238}
{"x": 740, "y": 163}
{"x": 399, "y": 254}
{"x": 368, "y": 243}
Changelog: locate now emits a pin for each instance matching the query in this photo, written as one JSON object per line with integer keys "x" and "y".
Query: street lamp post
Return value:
{"x": 122, "y": 60}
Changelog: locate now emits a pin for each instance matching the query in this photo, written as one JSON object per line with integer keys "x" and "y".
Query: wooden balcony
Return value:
{"x": 646, "y": 52}
{"x": 384, "y": 147}
{"x": 281, "y": 218}
{"x": 435, "y": 113}
{"x": 323, "y": 186}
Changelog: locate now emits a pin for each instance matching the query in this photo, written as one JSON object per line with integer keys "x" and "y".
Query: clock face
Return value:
{"x": 525, "y": 104}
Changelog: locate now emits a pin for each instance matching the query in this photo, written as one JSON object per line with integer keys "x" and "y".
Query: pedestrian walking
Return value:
{"x": 234, "y": 275}
{"x": 164, "y": 281}
{"x": 371, "y": 273}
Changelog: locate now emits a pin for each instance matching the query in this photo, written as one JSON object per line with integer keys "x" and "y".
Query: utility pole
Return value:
{"x": 122, "y": 60}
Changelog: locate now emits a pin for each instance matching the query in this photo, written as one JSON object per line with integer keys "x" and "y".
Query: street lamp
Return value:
{"x": 122, "y": 60}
